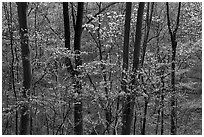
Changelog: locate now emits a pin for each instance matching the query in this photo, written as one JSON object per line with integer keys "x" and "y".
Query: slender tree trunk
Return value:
{"x": 126, "y": 127}
{"x": 148, "y": 24}
{"x": 147, "y": 28}
{"x": 135, "y": 122}
{"x": 144, "y": 117}
{"x": 173, "y": 88}
{"x": 35, "y": 24}
{"x": 162, "y": 106}
{"x": 116, "y": 119}
{"x": 173, "y": 98}
{"x": 22, "y": 15}
{"x": 157, "y": 124}
{"x": 107, "y": 107}
{"x": 78, "y": 119}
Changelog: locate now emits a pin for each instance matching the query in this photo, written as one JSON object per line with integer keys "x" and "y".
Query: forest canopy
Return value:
{"x": 102, "y": 68}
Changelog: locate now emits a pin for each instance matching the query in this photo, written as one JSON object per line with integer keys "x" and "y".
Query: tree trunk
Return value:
{"x": 126, "y": 36}
{"x": 173, "y": 88}
{"x": 129, "y": 106}
{"x": 138, "y": 36}
{"x": 24, "y": 119}
{"x": 67, "y": 37}
{"x": 67, "y": 34}
{"x": 126, "y": 127}
{"x": 157, "y": 124}
{"x": 162, "y": 106}
{"x": 108, "y": 113}
{"x": 147, "y": 28}
{"x": 144, "y": 117}
{"x": 66, "y": 25}
{"x": 135, "y": 122}
{"x": 78, "y": 119}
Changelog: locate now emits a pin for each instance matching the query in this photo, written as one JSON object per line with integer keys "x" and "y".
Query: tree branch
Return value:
{"x": 100, "y": 12}
{"x": 168, "y": 20}
{"x": 177, "y": 21}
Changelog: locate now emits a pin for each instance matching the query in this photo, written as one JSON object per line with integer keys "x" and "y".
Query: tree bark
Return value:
{"x": 66, "y": 25}
{"x": 22, "y": 16}
{"x": 126, "y": 127}
{"x": 138, "y": 36}
{"x": 78, "y": 119}
{"x": 67, "y": 34}
{"x": 173, "y": 88}
{"x": 68, "y": 63}
{"x": 162, "y": 106}
{"x": 144, "y": 117}
{"x": 129, "y": 106}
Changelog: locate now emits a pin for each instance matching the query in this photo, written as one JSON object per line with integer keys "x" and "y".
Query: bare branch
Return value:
{"x": 178, "y": 17}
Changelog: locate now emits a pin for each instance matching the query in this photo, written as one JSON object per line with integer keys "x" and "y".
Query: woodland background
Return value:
{"x": 88, "y": 83}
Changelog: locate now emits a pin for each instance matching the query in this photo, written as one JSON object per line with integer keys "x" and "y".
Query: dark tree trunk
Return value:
{"x": 138, "y": 36}
{"x": 126, "y": 36}
{"x": 129, "y": 106}
{"x": 22, "y": 15}
{"x": 135, "y": 122}
{"x": 144, "y": 117}
{"x": 66, "y": 25}
{"x": 126, "y": 127}
{"x": 162, "y": 106}
{"x": 157, "y": 124}
{"x": 173, "y": 88}
{"x": 67, "y": 34}
{"x": 67, "y": 37}
{"x": 78, "y": 119}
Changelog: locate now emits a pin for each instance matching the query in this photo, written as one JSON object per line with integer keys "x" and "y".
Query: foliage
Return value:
{"x": 52, "y": 93}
